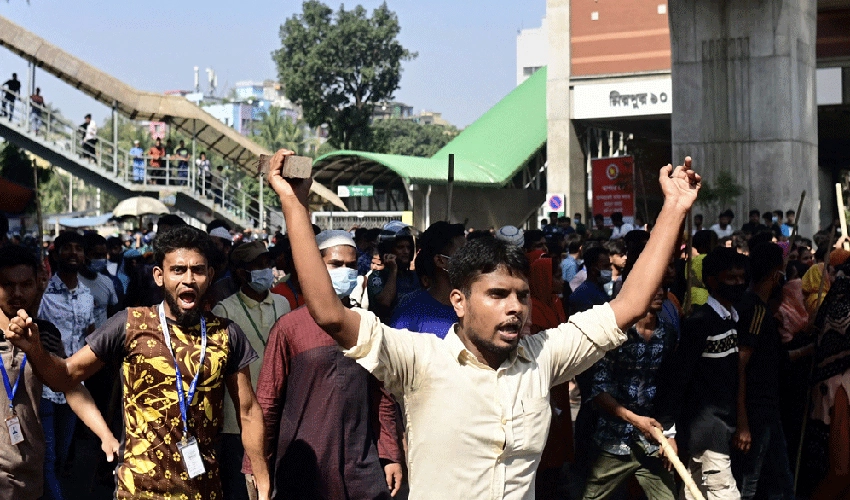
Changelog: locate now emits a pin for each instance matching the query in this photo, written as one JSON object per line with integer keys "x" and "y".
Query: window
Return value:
{"x": 529, "y": 70}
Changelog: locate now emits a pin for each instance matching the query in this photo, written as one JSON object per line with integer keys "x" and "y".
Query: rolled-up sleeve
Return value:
{"x": 387, "y": 353}
{"x": 576, "y": 345}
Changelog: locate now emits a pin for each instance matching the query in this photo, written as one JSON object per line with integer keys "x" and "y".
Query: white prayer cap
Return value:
{"x": 511, "y": 235}
{"x": 334, "y": 238}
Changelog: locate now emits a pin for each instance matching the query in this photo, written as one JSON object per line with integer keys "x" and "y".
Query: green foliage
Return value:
{"x": 721, "y": 194}
{"x": 337, "y": 66}
{"x": 406, "y": 137}
{"x": 15, "y": 166}
{"x": 276, "y": 130}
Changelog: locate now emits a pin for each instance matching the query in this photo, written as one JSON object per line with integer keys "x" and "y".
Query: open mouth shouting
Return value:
{"x": 509, "y": 331}
{"x": 187, "y": 298}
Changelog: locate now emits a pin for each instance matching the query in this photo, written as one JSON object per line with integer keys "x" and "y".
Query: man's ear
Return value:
{"x": 210, "y": 273}
{"x": 458, "y": 301}
{"x": 157, "y": 275}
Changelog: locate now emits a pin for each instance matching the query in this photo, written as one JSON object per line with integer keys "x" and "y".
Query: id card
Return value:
{"x": 13, "y": 425}
{"x": 191, "y": 457}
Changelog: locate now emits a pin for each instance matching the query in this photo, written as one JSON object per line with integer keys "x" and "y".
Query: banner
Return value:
{"x": 614, "y": 187}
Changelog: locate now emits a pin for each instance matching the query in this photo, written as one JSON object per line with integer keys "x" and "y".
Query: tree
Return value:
{"x": 337, "y": 66}
{"x": 406, "y": 137}
{"x": 276, "y": 130}
{"x": 721, "y": 194}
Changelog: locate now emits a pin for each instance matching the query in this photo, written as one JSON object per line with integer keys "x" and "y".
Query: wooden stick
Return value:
{"x": 677, "y": 464}
{"x": 797, "y": 219}
{"x": 689, "y": 245}
{"x": 842, "y": 215}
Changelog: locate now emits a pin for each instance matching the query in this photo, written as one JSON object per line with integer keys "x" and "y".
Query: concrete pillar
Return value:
{"x": 744, "y": 99}
{"x": 566, "y": 171}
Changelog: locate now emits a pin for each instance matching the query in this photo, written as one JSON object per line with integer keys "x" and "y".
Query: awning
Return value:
{"x": 487, "y": 153}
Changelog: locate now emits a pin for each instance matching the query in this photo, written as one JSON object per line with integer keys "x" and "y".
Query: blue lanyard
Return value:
{"x": 11, "y": 390}
{"x": 182, "y": 398}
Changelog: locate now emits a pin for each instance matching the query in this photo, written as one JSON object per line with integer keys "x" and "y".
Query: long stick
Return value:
{"x": 688, "y": 264}
{"x": 824, "y": 277}
{"x": 449, "y": 185}
{"x": 794, "y": 228}
{"x": 677, "y": 464}
{"x": 842, "y": 215}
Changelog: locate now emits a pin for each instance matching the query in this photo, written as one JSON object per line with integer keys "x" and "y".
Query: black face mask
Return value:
{"x": 732, "y": 293}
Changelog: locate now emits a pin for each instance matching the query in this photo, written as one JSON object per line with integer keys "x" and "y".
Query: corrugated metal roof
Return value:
{"x": 181, "y": 113}
{"x": 488, "y": 152}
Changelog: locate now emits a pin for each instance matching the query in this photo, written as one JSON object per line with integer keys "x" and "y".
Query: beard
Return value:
{"x": 68, "y": 268}
{"x": 489, "y": 346}
{"x": 186, "y": 319}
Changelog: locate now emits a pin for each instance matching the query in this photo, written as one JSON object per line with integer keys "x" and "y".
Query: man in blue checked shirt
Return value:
{"x": 625, "y": 384}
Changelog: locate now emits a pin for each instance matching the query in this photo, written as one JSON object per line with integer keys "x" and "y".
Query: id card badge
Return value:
{"x": 13, "y": 425}
{"x": 191, "y": 457}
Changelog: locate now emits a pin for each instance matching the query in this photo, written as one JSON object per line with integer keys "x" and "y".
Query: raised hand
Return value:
{"x": 680, "y": 185}
{"x": 23, "y": 332}
{"x": 287, "y": 188}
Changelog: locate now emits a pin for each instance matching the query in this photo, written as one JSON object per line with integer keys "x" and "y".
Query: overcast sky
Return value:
{"x": 466, "y": 63}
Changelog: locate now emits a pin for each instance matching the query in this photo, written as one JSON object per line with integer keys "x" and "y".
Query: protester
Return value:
{"x": 698, "y": 219}
{"x": 429, "y": 310}
{"x": 625, "y": 385}
{"x": 23, "y": 457}
{"x": 754, "y": 225}
{"x": 723, "y": 227}
{"x": 570, "y": 264}
{"x": 156, "y": 153}
{"x": 483, "y": 361}
{"x": 592, "y": 292}
{"x": 621, "y": 229}
{"x": 330, "y": 428}
{"x": 396, "y": 280}
{"x": 701, "y": 386}
{"x": 36, "y": 110}
{"x": 137, "y": 153}
{"x": 289, "y": 288}
{"x": 13, "y": 88}
{"x": 89, "y": 138}
{"x": 69, "y": 305}
{"x": 170, "y": 434}
{"x": 255, "y": 310}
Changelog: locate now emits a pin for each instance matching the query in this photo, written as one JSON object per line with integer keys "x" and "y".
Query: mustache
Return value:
{"x": 515, "y": 325}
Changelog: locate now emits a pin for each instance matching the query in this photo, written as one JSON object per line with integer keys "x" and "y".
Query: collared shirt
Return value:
{"x": 72, "y": 312}
{"x": 104, "y": 294}
{"x": 569, "y": 268}
{"x": 629, "y": 374}
{"x": 475, "y": 432}
{"x": 722, "y": 311}
{"x": 621, "y": 232}
{"x": 264, "y": 314}
{"x": 587, "y": 295}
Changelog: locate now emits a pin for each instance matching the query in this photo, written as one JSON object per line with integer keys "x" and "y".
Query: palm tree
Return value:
{"x": 277, "y": 130}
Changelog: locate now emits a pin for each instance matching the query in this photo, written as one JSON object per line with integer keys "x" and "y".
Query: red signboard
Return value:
{"x": 614, "y": 187}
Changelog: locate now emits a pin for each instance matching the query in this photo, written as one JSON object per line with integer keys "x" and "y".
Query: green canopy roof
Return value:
{"x": 488, "y": 152}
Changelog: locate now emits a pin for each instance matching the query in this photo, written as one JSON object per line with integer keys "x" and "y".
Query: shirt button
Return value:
{"x": 504, "y": 421}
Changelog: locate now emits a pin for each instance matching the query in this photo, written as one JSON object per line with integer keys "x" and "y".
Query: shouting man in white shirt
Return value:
{"x": 477, "y": 403}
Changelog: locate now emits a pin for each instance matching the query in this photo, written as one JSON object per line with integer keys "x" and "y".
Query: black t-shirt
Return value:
{"x": 13, "y": 86}
{"x": 757, "y": 329}
{"x": 108, "y": 344}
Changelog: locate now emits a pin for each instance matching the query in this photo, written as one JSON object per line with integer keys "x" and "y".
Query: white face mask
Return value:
{"x": 261, "y": 280}
{"x": 344, "y": 280}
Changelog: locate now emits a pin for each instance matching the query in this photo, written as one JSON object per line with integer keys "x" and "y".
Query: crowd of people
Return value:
{"x": 451, "y": 363}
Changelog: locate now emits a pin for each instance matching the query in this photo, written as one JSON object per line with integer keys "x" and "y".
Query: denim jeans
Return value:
{"x": 58, "y": 422}
{"x": 765, "y": 467}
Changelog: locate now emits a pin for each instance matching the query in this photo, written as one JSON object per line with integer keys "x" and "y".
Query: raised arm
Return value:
{"x": 680, "y": 187}
{"x": 325, "y": 307}
{"x": 59, "y": 374}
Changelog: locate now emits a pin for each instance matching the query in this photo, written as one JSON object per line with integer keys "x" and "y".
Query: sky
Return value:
{"x": 466, "y": 62}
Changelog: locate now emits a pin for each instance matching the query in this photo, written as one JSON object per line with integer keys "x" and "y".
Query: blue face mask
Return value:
{"x": 261, "y": 280}
{"x": 98, "y": 265}
{"x": 344, "y": 280}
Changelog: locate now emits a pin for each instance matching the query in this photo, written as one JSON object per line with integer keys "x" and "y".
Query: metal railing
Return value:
{"x": 162, "y": 172}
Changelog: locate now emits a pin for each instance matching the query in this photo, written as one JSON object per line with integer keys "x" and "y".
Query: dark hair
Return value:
{"x": 698, "y": 216}
{"x": 360, "y": 233}
{"x": 755, "y": 212}
{"x": 170, "y": 220}
{"x": 704, "y": 241}
{"x": 615, "y": 247}
{"x": 16, "y": 255}
{"x": 722, "y": 259}
{"x": 727, "y": 213}
{"x": 218, "y": 223}
{"x": 482, "y": 256}
{"x": 114, "y": 241}
{"x": 760, "y": 238}
{"x": 592, "y": 254}
{"x": 92, "y": 240}
{"x": 532, "y": 236}
{"x": 478, "y": 233}
{"x": 4, "y": 225}
{"x": 573, "y": 243}
{"x": 66, "y": 238}
{"x": 617, "y": 215}
{"x": 181, "y": 237}
{"x": 764, "y": 258}
{"x": 434, "y": 241}
{"x": 790, "y": 212}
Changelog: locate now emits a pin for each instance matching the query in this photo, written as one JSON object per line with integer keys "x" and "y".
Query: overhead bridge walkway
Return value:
{"x": 111, "y": 168}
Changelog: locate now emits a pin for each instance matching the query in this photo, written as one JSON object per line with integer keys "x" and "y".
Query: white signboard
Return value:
{"x": 624, "y": 98}
{"x": 554, "y": 202}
